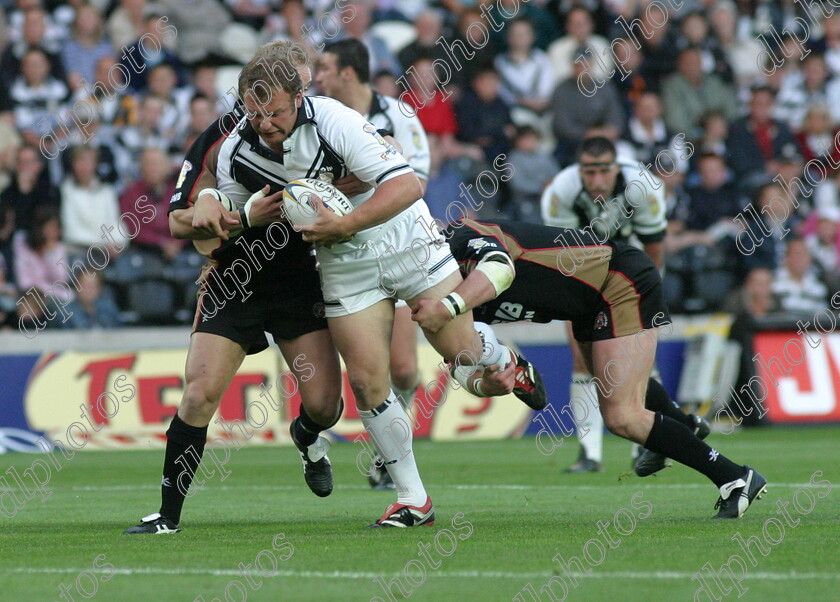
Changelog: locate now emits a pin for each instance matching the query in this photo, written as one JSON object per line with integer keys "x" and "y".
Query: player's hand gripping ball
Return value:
{"x": 299, "y": 206}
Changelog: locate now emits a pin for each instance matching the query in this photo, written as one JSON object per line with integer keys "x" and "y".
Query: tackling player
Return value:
{"x": 615, "y": 200}
{"x": 343, "y": 72}
{"x": 282, "y": 296}
{"x": 612, "y": 294}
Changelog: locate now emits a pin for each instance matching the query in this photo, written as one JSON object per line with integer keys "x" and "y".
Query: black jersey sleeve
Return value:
{"x": 199, "y": 168}
{"x": 470, "y": 244}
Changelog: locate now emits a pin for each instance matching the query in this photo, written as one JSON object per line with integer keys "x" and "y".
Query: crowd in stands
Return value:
{"x": 99, "y": 100}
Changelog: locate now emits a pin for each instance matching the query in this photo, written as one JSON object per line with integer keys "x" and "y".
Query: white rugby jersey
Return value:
{"x": 328, "y": 141}
{"x": 385, "y": 113}
{"x": 637, "y": 206}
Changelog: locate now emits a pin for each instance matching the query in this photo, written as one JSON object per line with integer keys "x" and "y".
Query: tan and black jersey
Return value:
{"x": 606, "y": 290}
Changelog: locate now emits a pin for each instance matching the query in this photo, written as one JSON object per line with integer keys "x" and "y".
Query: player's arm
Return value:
{"x": 350, "y": 185}
{"x": 649, "y": 222}
{"x": 206, "y": 218}
{"x": 493, "y": 274}
{"x": 558, "y": 198}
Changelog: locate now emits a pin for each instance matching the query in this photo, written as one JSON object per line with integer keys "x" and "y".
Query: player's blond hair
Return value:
{"x": 275, "y": 65}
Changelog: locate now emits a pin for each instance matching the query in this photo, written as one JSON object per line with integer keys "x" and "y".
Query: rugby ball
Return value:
{"x": 298, "y": 201}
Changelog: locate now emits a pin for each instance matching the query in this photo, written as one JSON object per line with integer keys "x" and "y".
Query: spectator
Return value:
{"x": 86, "y": 45}
{"x": 546, "y": 29}
{"x": 93, "y": 307}
{"x": 751, "y": 303}
{"x": 131, "y": 140}
{"x": 30, "y": 187}
{"x": 714, "y": 133}
{"x": 381, "y": 59}
{"x": 127, "y": 23}
{"x": 650, "y": 137}
{"x": 829, "y": 44}
{"x": 757, "y": 141}
{"x": 579, "y": 34}
{"x": 88, "y": 206}
{"x": 36, "y": 98}
{"x": 573, "y": 112}
{"x": 292, "y": 24}
{"x": 40, "y": 258}
{"x": 715, "y": 199}
{"x": 742, "y": 53}
{"x": 796, "y": 283}
{"x": 251, "y": 12}
{"x": 205, "y": 83}
{"x": 34, "y": 36}
{"x": 526, "y": 76}
{"x": 198, "y": 38}
{"x": 9, "y": 143}
{"x": 140, "y": 64}
{"x": 7, "y": 231}
{"x": 533, "y": 169}
{"x": 799, "y": 89}
{"x": 824, "y": 246}
{"x": 162, "y": 83}
{"x": 689, "y": 93}
{"x": 385, "y": 83}
{"x": 694, "y": 33}
{"x": 429, "y": 26}
{"x": 469, "y": 21}
{"x": 816, "y": 139}
{"x": 202, "y": 113}
{"x": 115, "y": 108}
{"x": 483, "y": 117}
{"x": 156, "y": 188}
{"x": 764, "y": 223}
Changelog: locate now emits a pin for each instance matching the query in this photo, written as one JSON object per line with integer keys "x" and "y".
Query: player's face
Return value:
{"x": 326, "y": 75}
{"x": 274, "y": 120}
{"x": 599, "y": 174}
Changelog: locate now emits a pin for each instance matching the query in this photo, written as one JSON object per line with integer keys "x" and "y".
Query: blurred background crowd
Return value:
{"x": 100, "y": 99}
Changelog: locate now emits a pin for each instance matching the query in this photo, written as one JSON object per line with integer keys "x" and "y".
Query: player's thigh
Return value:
{"x": 363, "y": 339}
{"x": 313, "y": 360}
{"x": 622, "y": 383}
{"x": 578, "y": 362}
{"x": 404, "y": 347}
{"x": 458, "y": 339}
{"x": 212, "y": 362}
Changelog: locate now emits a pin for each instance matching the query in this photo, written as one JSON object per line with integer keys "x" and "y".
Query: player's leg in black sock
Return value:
{"x": 184, "y": 449}
{"x": 657, "y": 400}
{"x": 674, "y": 440}
{"x": 305, "y": 429}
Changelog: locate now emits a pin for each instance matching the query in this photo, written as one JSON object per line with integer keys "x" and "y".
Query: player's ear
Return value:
{"x": 298, "y": 99}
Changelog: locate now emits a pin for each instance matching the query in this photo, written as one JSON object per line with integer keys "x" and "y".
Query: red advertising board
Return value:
{"x": 801, "y": 375}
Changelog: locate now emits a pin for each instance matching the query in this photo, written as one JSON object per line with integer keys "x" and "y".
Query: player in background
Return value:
{"x": 612, "y": 294}
{"x": 343, "y": 72}
{"x": 616, "y": 200}
{"x": 362, "y": 277}
{"x": 283, "y": 298}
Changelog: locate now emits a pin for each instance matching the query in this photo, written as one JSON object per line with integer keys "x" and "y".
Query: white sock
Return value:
{"x": 494, "y": 352}
{"x": 590, "y": 429}
{"x": 390, "y": 429}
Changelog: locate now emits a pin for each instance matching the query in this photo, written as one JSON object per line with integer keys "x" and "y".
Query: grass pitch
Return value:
{"x": 508, "y": 511}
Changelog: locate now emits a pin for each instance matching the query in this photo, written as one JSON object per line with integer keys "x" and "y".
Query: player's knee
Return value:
{"x": 326, "y": 410}
{"x": 198, "y": 399}
{"x": 618, "y": 422}
{"x": 404, "y": 373}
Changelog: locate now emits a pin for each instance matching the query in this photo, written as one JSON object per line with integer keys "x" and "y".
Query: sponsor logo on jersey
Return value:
{"x": 479, "y": 243}
{"x": 601, "y": 321}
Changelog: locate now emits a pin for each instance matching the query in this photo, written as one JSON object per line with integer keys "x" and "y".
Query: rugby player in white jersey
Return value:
{"x": 298, "y": 137}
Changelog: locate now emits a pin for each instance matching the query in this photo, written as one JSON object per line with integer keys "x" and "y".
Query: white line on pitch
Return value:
{"x": 771, "y": 575}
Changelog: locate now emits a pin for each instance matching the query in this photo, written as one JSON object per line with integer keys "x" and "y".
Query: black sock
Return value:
{"x": 306, "y": 429}
{"x": 657, "y": 400}
{"x": 670, "y": 438}
{"x": 184, "y": 448}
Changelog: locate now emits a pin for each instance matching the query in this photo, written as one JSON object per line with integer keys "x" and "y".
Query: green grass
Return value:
{"x": 523, "y": 512}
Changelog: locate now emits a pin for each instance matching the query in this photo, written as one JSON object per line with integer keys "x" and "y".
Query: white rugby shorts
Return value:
{"x": 404, "y": 259}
